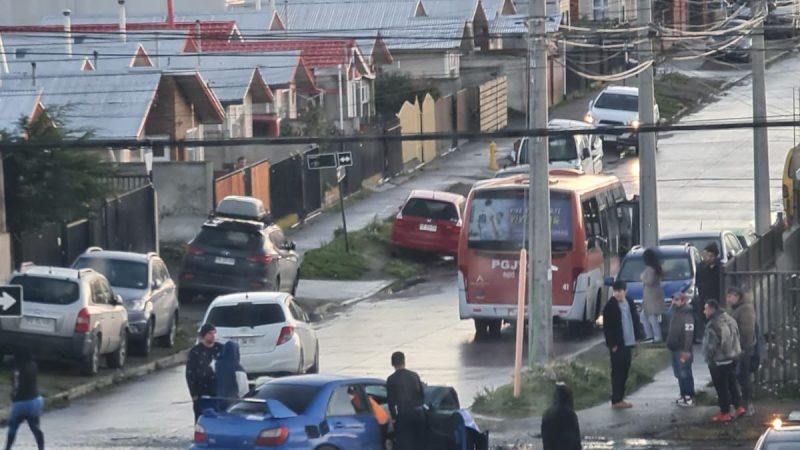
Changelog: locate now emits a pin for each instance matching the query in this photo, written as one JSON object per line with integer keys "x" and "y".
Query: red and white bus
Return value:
{"x": 593, "y": 224}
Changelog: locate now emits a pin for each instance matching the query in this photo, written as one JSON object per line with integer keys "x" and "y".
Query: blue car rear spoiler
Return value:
{"x": 272, "y": 408}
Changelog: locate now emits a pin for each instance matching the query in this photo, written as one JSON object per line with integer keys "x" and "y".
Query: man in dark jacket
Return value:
{"x": 722, "y": 347}
{"x": 744, "y": 314}
{"x": 200, "y": 376}
{"x": 560, "y": 428}
{"x": 26, "y": 403}
{"x": 622, "y": 329}
{"x": 709, "y": 286}
{"x": 406, "y": 397}
{"x": 679, "y": 342}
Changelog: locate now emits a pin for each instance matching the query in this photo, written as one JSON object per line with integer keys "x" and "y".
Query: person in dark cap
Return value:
{"x": 709, "y": 286}
{"x": 406, "y": 397}
{"x": 560, "y": 428}
{"x": 200, "y": 376}
{"x": 26, "y": 403}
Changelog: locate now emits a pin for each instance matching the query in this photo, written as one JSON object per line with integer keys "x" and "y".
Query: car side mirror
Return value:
{"x": 608, "y": 281}
{"x": 591, "y": 103}
{"x": 586, "y": 153}
{"x": 289, "y": 245}
{"x": 116, "y": 300}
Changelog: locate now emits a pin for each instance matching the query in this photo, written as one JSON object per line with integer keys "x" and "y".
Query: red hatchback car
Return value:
{"x": 429, "y": 221}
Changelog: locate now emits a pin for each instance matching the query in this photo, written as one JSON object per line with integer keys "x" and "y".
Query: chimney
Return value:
{"x": 198, "y": 36}
{"x": 170, "y": 14}
{"x": 95, "y": 56}
{"x": 123, "y": 21}
{"x": 33, "y": 73}
{"x": 68, "y": 31}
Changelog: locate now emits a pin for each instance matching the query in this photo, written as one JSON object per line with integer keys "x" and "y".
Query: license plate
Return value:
{"x": 427, "y": 227}
{"x": 225, "y": 261}
{"x": 610, "y": 138}
{"x": 245, "y": 341}
{"x": 31, "y": 323}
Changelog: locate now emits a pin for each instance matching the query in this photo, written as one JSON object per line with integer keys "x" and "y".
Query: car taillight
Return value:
{"x": 194, "y": 251}
{"x": 272, "y": 437}
{"x": 83, "y": 322}
{"x": 286, "y": 335}
{"x": 260, "y": 259}
{"x": 200, "y": 436}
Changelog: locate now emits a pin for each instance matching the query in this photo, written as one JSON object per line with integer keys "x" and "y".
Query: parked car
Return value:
{"x": 68, "y": 314}
{"x": 330, "y": 413}
{"x": 273, "y": 332}
{"x": 746, "y": 237}
{"x": 782, "y": 433}
{"x": 735, "y": 45}
{"x": 429, "y": 221}
{"x": 617, "y": 106}
{"x": 234, "y": 255}
{"x": 148, "y": 292}
{"x": 582, "y": 152}
{"x": 727, "y": 242}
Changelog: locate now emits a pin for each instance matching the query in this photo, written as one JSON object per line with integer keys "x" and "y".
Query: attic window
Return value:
{"x": 419, "y": 10}
{"x": 21, "y": 53}
{"x": 140, "y": 59}
{"x": 277, "y": 23}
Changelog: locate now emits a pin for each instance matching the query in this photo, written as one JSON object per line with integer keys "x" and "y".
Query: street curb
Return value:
{"x": 64, "y": 398}
{"x": 375, "y": 291}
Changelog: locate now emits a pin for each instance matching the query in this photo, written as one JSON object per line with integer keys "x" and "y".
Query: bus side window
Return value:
{"x": 611, "y": 223}
{"x": 591, "y": 221}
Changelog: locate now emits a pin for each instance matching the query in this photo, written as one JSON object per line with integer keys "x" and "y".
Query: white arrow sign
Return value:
{"x": 7, "y": 301}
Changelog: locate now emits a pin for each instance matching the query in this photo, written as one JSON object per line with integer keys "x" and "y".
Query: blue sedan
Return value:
{"x": 323, "y": 412}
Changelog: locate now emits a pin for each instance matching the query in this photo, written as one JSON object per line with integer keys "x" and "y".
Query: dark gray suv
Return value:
{"x": 231, "y": 255}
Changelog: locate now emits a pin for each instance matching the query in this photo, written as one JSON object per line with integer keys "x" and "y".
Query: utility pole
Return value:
{"x": 648, "y": 196}
{"x": 540, "y": 316}
{"x": 760, "y": 138}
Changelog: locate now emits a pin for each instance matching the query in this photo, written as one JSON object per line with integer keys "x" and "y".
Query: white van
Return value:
{"x": 582, "y": 152}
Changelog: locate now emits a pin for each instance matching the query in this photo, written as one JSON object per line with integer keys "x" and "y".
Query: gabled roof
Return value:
{"x": 14, "y": 106}
{"x": 317, "y": 53}
{"x": 229, "y": 76}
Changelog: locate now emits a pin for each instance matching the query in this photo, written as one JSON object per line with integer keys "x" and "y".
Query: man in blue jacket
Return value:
{"x": 622, "y": 328}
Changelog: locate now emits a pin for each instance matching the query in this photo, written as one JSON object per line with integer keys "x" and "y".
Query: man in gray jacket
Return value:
{"x": 744, "y": 314}
{"x": 679, "y": 342}
{"x": 722, "y": 348}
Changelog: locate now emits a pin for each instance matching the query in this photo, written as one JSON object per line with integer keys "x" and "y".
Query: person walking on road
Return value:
{"x": 652, "y": 296}
{"x": 622, "y": 328}
{"x": 406, "y": 397}
{"x": 200, "y": 376}
{"x": 679, "y": 342}
{"x": 560, "y": 427}
{"x": 231, "y": 377}
{"x": 26, "y": 403}
{"x": 744, "y": 314}
{"x": 721, "y": 346}
{"x": 709, "y": 286}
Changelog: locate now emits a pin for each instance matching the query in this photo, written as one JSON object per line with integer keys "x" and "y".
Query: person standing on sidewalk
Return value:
{"x": 744, "y": 314}
{"x": 560, "y": 428}
{"x": 26, "y": 403}
{"x": 679, "y": 342}
{"x": 721, "y": 347}
{"x": 200, "y": 376}
{"x": 406, "y": 397}
{"x": 622, "y": 328}
{"x": 709, "y": 286}
{"x": 652, "y": 296}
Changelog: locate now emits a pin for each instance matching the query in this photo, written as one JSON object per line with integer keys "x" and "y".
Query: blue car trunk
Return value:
{"x": 234, "y": 431}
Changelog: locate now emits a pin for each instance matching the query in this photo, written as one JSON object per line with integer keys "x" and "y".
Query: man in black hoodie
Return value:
{"x": 560, "y": 428}
{"x": 622, "y": 328}
{"x": 709, "y": 286}
{"x": 26, "y": 403}
{"x": 200, "y": 376}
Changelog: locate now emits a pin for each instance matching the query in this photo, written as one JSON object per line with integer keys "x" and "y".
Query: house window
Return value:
{"x": 453, "y": 61}
{"x": 600, "y": 7}
{"x": 236, "y": 121}
{"x": 352, "y": 91}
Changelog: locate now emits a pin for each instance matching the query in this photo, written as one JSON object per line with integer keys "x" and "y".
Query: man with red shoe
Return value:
{"x": 722, "y": 348}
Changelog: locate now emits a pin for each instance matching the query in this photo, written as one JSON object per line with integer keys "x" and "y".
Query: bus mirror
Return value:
{"x": 608, "y": 281}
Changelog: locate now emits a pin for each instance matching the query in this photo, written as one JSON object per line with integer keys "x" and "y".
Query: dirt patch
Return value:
{"x": 678, "y": 95}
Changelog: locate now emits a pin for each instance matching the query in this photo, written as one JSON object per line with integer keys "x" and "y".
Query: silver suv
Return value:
{"x": 148, "y": 292}
{"x": 68, "y": 314}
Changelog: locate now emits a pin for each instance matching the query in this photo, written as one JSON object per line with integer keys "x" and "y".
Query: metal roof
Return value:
{"x": 14, "y": 107}
{"x": 229, "y": 76}
{"x": 516, "y": 24}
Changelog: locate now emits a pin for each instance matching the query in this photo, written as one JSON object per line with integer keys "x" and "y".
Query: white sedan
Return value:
{"x": 272, "y": 331}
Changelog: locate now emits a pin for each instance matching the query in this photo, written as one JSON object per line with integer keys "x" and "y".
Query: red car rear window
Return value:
{"x": 431, "y": 209}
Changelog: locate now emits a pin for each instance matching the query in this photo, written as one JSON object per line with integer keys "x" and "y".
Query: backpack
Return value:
{"x": 760, "y": 354}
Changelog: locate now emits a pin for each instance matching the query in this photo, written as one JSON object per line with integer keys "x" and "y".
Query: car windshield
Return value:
{"x": 124, "y": 274}
{"x": 47, "y": 290}
{"x": 430, "y": 209}
{"x": 621, "y": 102}
{"x": 676, "y": 268}
{"x": 296, "y": 397}
{"x": 699, "y": 243}
{"x": 230, "y": 239}
{"x": 498, "y": 220}
{"x": 785, "y": 445}
{"x": 245, "y": 315}
{"x": 561, "y": 148}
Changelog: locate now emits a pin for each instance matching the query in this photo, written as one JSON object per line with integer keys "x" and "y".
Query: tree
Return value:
{"x": 52, "y": 183}
{"x": 393, "y": 89}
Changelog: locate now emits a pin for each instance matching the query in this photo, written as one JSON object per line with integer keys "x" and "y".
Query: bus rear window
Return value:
{"x": 498, "y": 220}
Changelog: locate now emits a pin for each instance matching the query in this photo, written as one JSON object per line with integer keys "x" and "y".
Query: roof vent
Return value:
{"x": 21, "y": 53}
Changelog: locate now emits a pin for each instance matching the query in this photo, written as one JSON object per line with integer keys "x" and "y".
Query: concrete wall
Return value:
{"x": 15, "y": 12}
{"x": 420, "y": 65}
{"x": 184, "y": 192}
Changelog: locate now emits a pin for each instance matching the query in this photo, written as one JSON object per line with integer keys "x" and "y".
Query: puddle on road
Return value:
{"x": 638, "y": 444}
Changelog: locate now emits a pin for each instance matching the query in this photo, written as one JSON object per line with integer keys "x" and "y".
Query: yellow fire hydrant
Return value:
{"x": 493, "y": 156}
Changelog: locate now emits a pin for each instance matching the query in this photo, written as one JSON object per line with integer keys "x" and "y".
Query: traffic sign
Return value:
{"x": 321, "y": 161}
{"x": 340, "y": 174}
{"x": 11, "y": 301}
{"x": 344, "y": 158}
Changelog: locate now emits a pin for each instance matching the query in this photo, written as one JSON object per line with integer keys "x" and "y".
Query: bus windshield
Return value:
{"x": 498, "y": 220}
